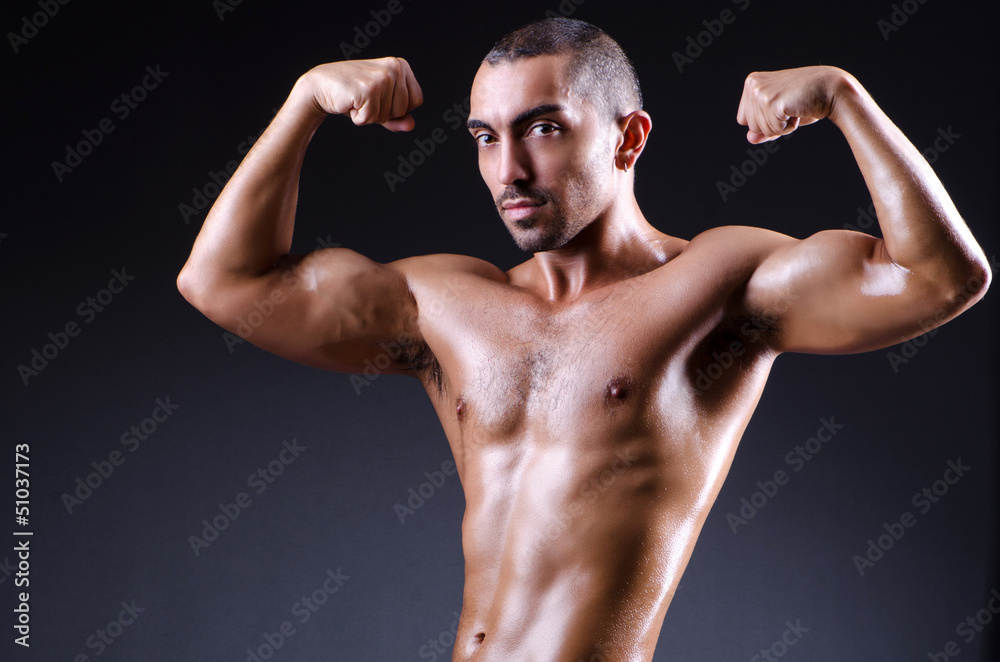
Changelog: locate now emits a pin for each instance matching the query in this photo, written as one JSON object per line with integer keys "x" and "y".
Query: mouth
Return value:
{"x": 521, "y": 208}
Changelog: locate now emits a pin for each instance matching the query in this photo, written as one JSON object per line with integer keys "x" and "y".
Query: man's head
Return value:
{"x": 599, "y": 68}
{"x": 556, "y": 113}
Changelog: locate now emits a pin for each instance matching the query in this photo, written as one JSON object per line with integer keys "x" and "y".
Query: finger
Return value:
{"x": 776, "y": 122}
{"x": 741, "y": 113}
{"x": 364, "y": 114}
{"x": 405, "y": 123}
{"x": 757, "y": 124}
{"x": 368, "y": 109}
{"x": 385, "y": 106}
{"x": 746, "y": 101}
{"x": 415, "y": 94}
{"x": 400, "y": 102}
{"x": 750, "y": 123}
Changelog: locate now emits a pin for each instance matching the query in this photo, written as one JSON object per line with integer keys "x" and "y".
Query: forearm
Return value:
{"x": 250, "y": 225}
{"x": 922, "y": 230}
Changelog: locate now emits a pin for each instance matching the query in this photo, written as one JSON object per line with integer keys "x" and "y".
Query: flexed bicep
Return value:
{"x": 332, "y": 308}
{"x": 838, "y": 292}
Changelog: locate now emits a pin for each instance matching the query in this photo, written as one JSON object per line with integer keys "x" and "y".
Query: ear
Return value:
{"x": 635, "y": 128}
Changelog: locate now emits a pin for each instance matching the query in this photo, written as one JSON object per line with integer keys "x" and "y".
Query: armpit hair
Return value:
{"x": 754, "y": 330}
{"x": 414, "y": 355}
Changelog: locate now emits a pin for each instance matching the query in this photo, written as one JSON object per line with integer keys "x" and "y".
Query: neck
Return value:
{"x": 618, "y": 244}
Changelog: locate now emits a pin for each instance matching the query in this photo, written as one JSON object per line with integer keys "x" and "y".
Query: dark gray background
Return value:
{"x": 333, "y": 506}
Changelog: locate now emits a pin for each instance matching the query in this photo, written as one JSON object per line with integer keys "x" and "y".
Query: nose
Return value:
{"x": 515, "y": 163}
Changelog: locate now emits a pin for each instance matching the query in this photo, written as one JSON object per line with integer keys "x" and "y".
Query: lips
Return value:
{"x": 521, "y": 208}
{"x": 520, "y": 203}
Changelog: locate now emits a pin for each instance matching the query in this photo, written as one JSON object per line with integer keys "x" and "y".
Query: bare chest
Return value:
{"x": 514, "y": 367}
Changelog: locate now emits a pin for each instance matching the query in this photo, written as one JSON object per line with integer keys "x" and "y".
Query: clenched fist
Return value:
{"x": 775, "y": 103}
{"x": 382, "y": 91}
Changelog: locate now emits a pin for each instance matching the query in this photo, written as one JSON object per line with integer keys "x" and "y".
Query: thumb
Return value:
{"x": 404, "y": 123}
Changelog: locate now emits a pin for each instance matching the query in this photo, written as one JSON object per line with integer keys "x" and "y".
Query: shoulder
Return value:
{"x": 737, "y": 249}
{"x": 447, "y": 277}
{"x": 438, "y": 266}
{"x": 739, "y": 239}
{"x": 758, "y": 244}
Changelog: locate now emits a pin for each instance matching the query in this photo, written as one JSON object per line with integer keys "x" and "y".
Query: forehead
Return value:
{"x": 504, "y": 90}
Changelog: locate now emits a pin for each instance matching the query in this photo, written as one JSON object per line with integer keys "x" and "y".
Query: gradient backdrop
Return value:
{"x": 104, "y": 195}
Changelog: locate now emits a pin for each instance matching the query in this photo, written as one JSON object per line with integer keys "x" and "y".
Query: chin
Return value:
{"x": 536, "y": 235}
{"x": 533, "y": 243}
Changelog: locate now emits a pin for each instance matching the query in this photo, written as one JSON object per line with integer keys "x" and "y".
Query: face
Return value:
{"x": 546, "y": 153}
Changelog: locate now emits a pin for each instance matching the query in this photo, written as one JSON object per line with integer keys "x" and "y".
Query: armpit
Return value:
{"x": 414, "y": 355}
{"x": 751, "y": 330}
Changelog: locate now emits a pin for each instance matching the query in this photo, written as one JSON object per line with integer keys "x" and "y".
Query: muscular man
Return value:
{"x": 591, "y": 439}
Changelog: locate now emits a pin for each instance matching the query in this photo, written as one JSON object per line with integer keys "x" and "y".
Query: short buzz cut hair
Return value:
{"x": 599, "y": 68}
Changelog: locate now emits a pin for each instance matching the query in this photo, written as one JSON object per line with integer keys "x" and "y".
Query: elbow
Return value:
{"x": 195, "y": 287}
{"x": 184, "y": 284}
{"x": 969, "y": 284}
{"x": 187, "y": 284}
{"x": 977, "y": 279}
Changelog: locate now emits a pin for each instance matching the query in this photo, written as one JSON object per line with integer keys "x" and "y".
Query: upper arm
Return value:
{"x": 332, "y": 308}
{"x": 838, "y": 291}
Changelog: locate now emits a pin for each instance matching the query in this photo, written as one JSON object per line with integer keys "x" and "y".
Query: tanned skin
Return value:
{"x": 588, "y": 449}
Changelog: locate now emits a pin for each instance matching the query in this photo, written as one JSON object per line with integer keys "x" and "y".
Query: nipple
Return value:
{"x": 619, "y": 389}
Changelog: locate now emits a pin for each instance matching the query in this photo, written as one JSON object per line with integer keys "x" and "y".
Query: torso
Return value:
{"x": 591, "y": 440}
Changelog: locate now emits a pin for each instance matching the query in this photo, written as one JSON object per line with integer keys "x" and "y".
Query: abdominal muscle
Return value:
{"x": 574, "y": 548}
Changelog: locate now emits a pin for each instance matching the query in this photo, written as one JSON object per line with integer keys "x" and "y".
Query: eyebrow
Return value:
{"x": 520, "y": 119}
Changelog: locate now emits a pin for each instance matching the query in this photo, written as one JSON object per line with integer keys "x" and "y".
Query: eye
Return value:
{"x": 542, "y": 129}
{"x": 484, "y": 139}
